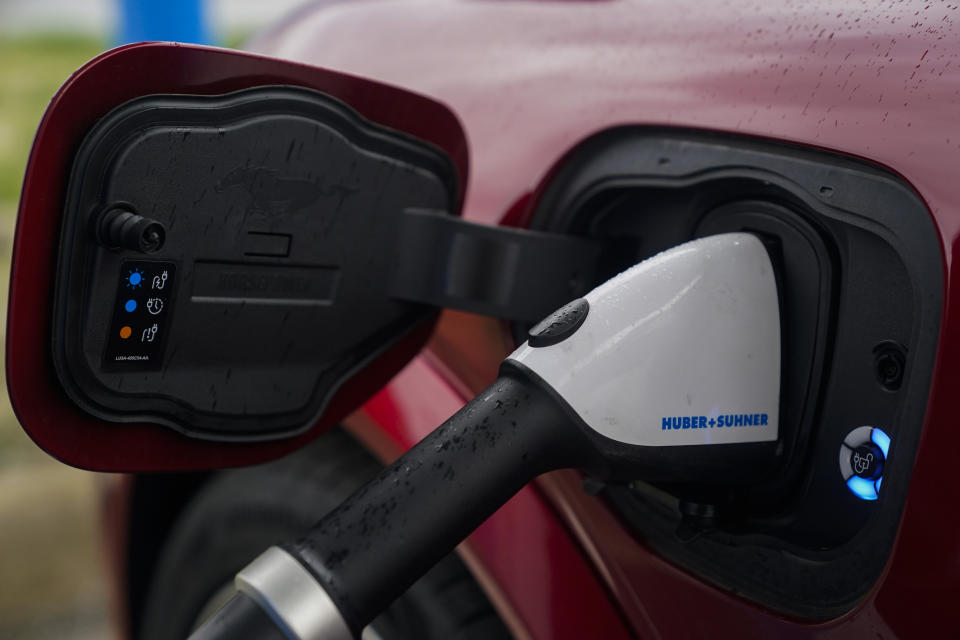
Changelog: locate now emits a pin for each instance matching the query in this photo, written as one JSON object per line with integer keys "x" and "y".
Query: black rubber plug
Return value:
{"x": 118, "y": 228}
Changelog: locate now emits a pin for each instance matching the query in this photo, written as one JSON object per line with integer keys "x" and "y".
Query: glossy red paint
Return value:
{"x": 104, "y": 83}
{"x": 880, "y": 81}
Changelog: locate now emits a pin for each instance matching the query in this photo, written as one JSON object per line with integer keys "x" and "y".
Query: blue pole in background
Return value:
{"x": 179, "y": 20}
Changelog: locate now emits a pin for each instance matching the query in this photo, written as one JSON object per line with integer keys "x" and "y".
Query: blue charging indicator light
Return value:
{"x": 882, "y": 440}
{"x": 857, "y": 461}
{"x": 863, "y": 488}
{"x": 131, "y": 305}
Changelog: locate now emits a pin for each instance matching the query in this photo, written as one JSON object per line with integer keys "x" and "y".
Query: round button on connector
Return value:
{"x": 863, "y": 455}
{"x": 559, "y": 325}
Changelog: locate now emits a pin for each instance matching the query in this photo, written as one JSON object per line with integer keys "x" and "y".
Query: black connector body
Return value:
{"x": 372, "y": 547}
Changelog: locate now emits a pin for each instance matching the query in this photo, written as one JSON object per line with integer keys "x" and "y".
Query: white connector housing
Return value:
{"x": 695, "y": 336}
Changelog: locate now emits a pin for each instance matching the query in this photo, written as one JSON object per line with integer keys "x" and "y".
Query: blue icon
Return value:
{"x": 852, "y": 462}
{"x": 134, "y": 278}
{"x": 882, "y": 440}
{"x": 131, "y": 305}
{"x": 863, "y": 488}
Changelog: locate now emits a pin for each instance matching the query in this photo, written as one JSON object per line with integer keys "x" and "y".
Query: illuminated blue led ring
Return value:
{"x": 862, "y": 487}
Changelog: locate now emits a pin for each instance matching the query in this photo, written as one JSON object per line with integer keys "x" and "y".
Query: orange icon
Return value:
{"x": 125, "y": 332}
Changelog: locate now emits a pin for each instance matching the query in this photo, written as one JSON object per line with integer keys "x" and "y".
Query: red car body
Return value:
{"x": 531, "y": 80}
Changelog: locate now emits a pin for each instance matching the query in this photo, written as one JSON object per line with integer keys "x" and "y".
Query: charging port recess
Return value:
{"x": 861, "y": 287}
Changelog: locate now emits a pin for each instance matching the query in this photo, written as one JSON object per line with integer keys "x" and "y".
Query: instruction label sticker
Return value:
{"x": 141, "y": 310}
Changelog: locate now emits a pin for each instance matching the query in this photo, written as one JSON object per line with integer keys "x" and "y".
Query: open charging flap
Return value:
{"x": 219, "y": 255}
{"x": 206, "y": 255}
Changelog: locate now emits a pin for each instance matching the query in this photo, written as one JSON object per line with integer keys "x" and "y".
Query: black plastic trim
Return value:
{"x": 261, "y": 359}
{"x": 503, "y": 272}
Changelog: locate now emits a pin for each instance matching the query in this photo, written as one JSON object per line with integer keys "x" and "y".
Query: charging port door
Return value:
{"x": 206, "y": 244}
{"x": 243, "y": 254}
{"x": 274, "y": 212}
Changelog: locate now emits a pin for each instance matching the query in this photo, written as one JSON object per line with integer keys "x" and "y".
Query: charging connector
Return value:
{"x": 669, "y": 371}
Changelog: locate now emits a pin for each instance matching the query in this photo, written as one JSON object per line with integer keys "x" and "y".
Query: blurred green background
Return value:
{"x": 52, "y": 584}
